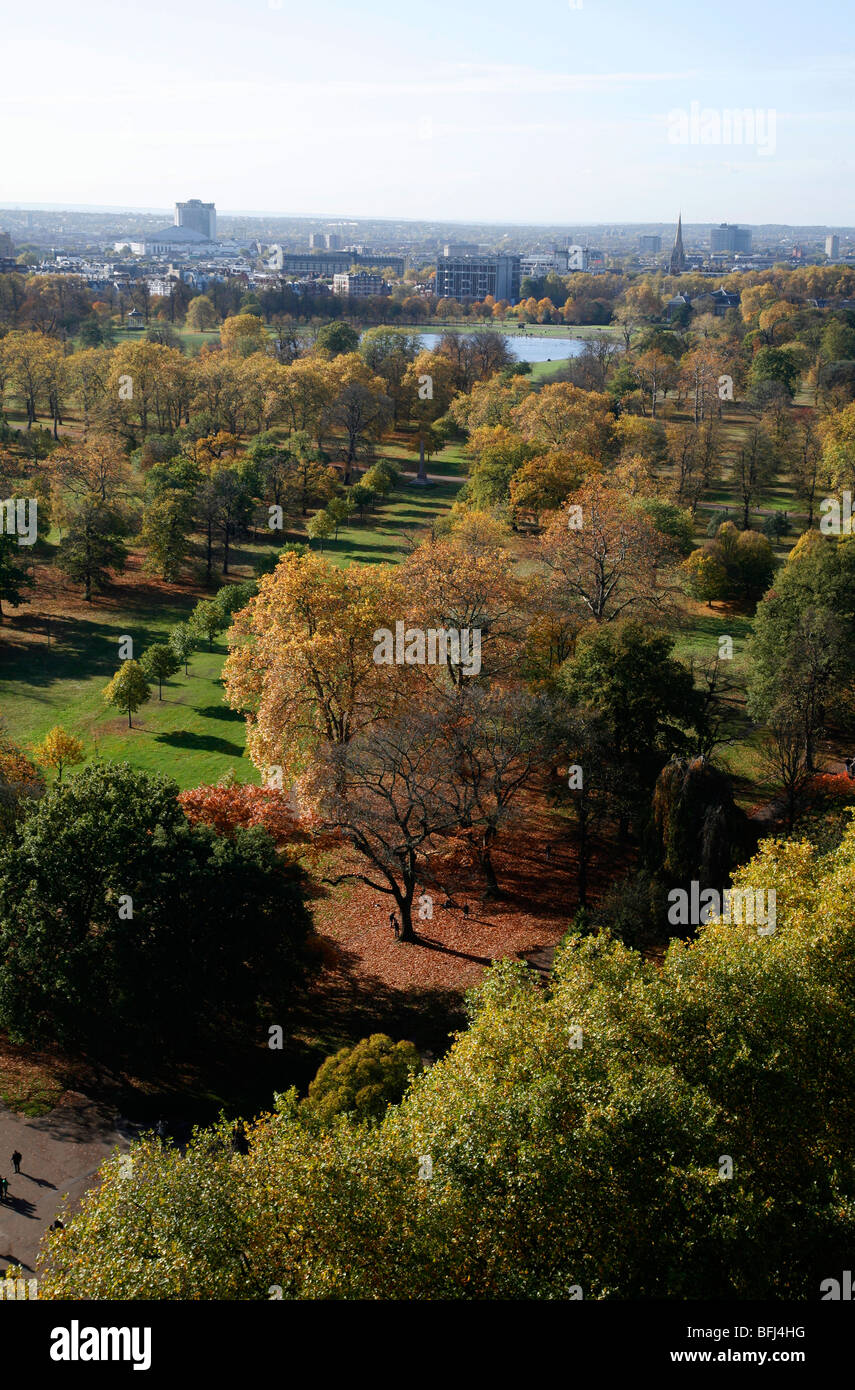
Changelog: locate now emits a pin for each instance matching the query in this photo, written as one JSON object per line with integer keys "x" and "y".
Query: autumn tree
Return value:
{"x": 201, "y": 315}
{"x": 59, "y": 750}
{"x": 391, "y": 793}
{"x": 243, "y": 334}
{"x": 128, "y": 690}
{"x": 301, "y": 663}
{"x": 606, "y": 557}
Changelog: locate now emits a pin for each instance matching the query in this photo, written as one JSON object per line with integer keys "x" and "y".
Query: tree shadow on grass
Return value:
{"x": 200, "y": 742}
{"x": 220, "y": 712}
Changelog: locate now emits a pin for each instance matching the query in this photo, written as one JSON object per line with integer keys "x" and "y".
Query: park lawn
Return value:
{"x": 191, "y": 734}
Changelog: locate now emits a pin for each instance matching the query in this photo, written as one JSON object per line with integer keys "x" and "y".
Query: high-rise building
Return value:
{"x": 832, "y": 246}
{"x": 474, "y": 277}
{"x": 359, "y": 286}
{"x": 316, "y": 241}
{"x": 332, "y": 241}
{"x": 733, "y": 240}
{"x": 677, "y": 263}
{"x": 197, "y": 217}
{"x": 650, "y": 245}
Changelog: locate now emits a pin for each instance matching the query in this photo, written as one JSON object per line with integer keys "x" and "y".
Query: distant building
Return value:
{"x": 676, "y": 305}
{"x": 135, "y": 319}
{"x": 460, "y": 248}
{"x": 332, "y": 241}
{"x": 537, "y": 266}
{"x": 6, "y": 247}
{"x": 327, "y": 263}
{"x": 584, "y": 258}
{"x": 198, "y": 217}
{"x": 832, "y": 247}
{"x": 474, "y": 277}
{"x": 650, "y": 245}
{"x": 734, "y": 240}
{"x": 360, "y": 285}
{"x": 717, "y": 302}
{"x": 165, "y": 241}
{"x": 677, "y": 262}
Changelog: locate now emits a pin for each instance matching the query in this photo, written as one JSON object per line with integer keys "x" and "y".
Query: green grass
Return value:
{"x": 191, "y": 734}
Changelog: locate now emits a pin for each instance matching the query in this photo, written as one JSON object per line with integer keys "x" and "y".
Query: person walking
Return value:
{"x": 4, "y": 1188}
{"x": 16, "y": 1161}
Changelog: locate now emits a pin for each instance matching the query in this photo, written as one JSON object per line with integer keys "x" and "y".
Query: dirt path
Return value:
{"x": 61, "y": 1153}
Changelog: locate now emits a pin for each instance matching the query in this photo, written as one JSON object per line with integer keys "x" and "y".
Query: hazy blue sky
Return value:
{"x": 490, "y": 111}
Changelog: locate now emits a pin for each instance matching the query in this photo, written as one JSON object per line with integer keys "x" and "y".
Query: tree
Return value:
{"x": 705, "y": 576}
{"x": 108, "y": 896}
{"x": 243, "y": 334}
{"x": 625, "y": 673}
{"x": 21, "y": 783}
{"x": 167, "y": 523}
{"x": 182, "y": 640}
{"x": 337, "y": 339}
{"x": 59, "y": 750}
{"x": 201, "y": 315}
{"x": 499, "y": 747}
{"x": 321, "y": 526}
{"x": 206, "y": 620}
{"x": 93, "y": 545}
{"x": 362, "y": 1080}
{"x": 389, "y": 793}
{"x": 230, "y": 806}
{"x": 754, "y": 467}
{"x": 544, "y": 482}
{"x": 13, "y": 576}
{"x": 606, "y": 558}
{"x": 301, "y": 662}
{"x": 159, "y": 663}
{"x": 800, "y": 651}
{"x": 128, "y": 689}
{"x": 561, "y": 416}
{"x": 774, "y": 364}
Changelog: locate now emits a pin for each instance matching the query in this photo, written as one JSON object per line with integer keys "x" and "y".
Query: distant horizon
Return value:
{"x": 119, "y": 209}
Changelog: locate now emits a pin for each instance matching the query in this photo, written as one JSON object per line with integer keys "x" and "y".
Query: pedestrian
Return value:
{"x": 4, "y": 1188}
{"x": 16, "y": 1161}
{"x": 56, "y": 1226}
{"x": 393, "y": 923}
{"x": 549, "y": 851}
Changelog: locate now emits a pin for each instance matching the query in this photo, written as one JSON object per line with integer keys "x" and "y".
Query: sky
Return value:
{"x": 567, "y": 111}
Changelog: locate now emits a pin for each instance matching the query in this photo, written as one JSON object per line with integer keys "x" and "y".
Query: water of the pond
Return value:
{"x": 528, "y": 348}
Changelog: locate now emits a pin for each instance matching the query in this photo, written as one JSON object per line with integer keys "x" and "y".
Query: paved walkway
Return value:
{"x": 61, "y": 1153}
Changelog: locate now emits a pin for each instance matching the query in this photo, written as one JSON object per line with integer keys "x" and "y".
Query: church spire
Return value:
{"x": 677, "y": 263}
